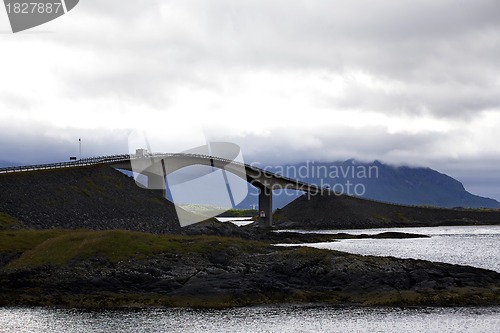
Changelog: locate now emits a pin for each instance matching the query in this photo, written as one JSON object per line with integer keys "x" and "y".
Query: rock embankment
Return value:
{"x": 345, "y": 212}
{"x": 97, "y": 197}
{"x": 214, "y": 271}
{"x": 210, "y": 264}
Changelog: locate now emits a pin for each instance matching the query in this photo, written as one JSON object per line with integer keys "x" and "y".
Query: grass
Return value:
{"x": 402, "y": 217}
{"x": 86, "y": 192}
{"x": 8, "y": 222}
{"x": 158, "y": 200}
{"x": 91, "y": 185}
{"x": 240, "y": 213}
{"x": 23, "y": 240}
{"x": 60, "y": 246}
{"x": 381, "y": 217}
{"x": 278, "y": 218}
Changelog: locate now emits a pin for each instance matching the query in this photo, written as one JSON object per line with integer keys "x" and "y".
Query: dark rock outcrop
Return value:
{"x": 235, "y": 274}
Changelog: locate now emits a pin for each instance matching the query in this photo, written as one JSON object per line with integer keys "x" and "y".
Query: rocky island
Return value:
{"x": 89, "y": 237}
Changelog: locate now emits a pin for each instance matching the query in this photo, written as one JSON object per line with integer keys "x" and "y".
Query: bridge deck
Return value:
{"x": 265, "y": 180}
{"x": 123, "y": 158}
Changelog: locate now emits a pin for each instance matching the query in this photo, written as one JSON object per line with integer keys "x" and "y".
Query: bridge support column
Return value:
{"x": 157, "y": 182}
{"x": 265, "y": 208}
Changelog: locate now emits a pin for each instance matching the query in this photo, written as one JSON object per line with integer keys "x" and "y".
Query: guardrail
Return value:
{"x": 61, "y": 165}
{"x": 127, "y": 157}
{"x": 267, "y": 173}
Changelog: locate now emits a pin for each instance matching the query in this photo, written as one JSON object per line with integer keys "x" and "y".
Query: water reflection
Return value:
{"x": 253, "y": 319}
{"x": 477, "y": 246}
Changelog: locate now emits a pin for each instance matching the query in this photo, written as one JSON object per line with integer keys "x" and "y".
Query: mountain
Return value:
{"x": 4, "y": 164}
{"x": 378, "y": 181}
{"x": 422, "y": 186}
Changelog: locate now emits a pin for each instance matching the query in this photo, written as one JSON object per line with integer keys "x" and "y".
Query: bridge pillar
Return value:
{"x": 157, "y": 182}
{"x": 265, "y": 208}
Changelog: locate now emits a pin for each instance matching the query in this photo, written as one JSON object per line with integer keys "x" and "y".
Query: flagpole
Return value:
{"x": 80, "y": 141}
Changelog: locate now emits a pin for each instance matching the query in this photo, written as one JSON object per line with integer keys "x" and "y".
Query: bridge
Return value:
{"x": 159, "y": 165}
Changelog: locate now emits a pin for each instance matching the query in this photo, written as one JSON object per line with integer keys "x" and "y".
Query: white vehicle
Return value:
{"x": 141, "y": 153}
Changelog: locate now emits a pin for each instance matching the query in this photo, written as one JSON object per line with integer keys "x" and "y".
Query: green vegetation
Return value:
{"x": 49, "y": 266}
{"x": 277, "y": 217}
{"x": 86, "y": 192}
{"x": 23, "y": 240}
{"x": 9, "y": 222}
{"x": 381, "y": 217}
{"x": 157, "y": 200}
{"x": 92, "y": 186}
{"x": 60, "y": 246}
{"x": 402, "y": 217}
{"x": 240, "y": 213}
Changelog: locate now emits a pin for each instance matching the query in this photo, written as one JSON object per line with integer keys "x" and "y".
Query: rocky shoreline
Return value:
{"x": 89, "y": 237}
{"x": 218, "y": 271}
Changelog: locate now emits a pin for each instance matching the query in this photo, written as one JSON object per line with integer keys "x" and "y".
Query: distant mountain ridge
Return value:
{"x": 396, "y": 184}
{"x": 4, "y": 164}
{"x": 382, "y": 182}
{"x": 375, "y": 180}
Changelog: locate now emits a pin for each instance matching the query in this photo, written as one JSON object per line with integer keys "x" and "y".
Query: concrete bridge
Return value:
{"x": 157, "y": 166}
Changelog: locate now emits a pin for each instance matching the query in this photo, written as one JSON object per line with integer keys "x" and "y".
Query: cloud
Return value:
{"x": 400, "y": 81}
{"x": 29, "y": 142}
{"x": 433, "y": 57}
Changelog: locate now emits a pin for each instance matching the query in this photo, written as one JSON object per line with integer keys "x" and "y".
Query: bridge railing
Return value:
{"x": 267, "y": 173}
{"x": 127, "y": 157}
{"x": 61, "y": 165}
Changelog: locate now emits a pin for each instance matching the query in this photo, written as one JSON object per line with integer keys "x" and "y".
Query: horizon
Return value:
{"x": 279, "y": 168}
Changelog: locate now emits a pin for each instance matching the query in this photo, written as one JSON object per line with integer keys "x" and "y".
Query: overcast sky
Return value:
{"x": 404, "y": 82}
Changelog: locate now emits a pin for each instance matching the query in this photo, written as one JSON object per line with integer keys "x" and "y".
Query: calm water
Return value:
{"x": 477, "y": 246}
{"x": 239, "y": 221}
{"x": 253, "y": 319}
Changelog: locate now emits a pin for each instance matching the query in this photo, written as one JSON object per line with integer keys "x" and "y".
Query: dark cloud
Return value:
{"x": 442, "y": 56}
{"x": 400, "y": 59}
{"x": 37, "y": 143}
{"x": 338, "y": 143}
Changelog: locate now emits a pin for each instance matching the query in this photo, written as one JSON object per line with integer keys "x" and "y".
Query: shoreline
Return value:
{"x": 90, "y": 269}
{"x": 458, "y": 298}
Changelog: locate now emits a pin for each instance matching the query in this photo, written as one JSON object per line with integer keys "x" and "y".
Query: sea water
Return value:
{"x": 477, "y": 246}
{"x": 283, "y": 318}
